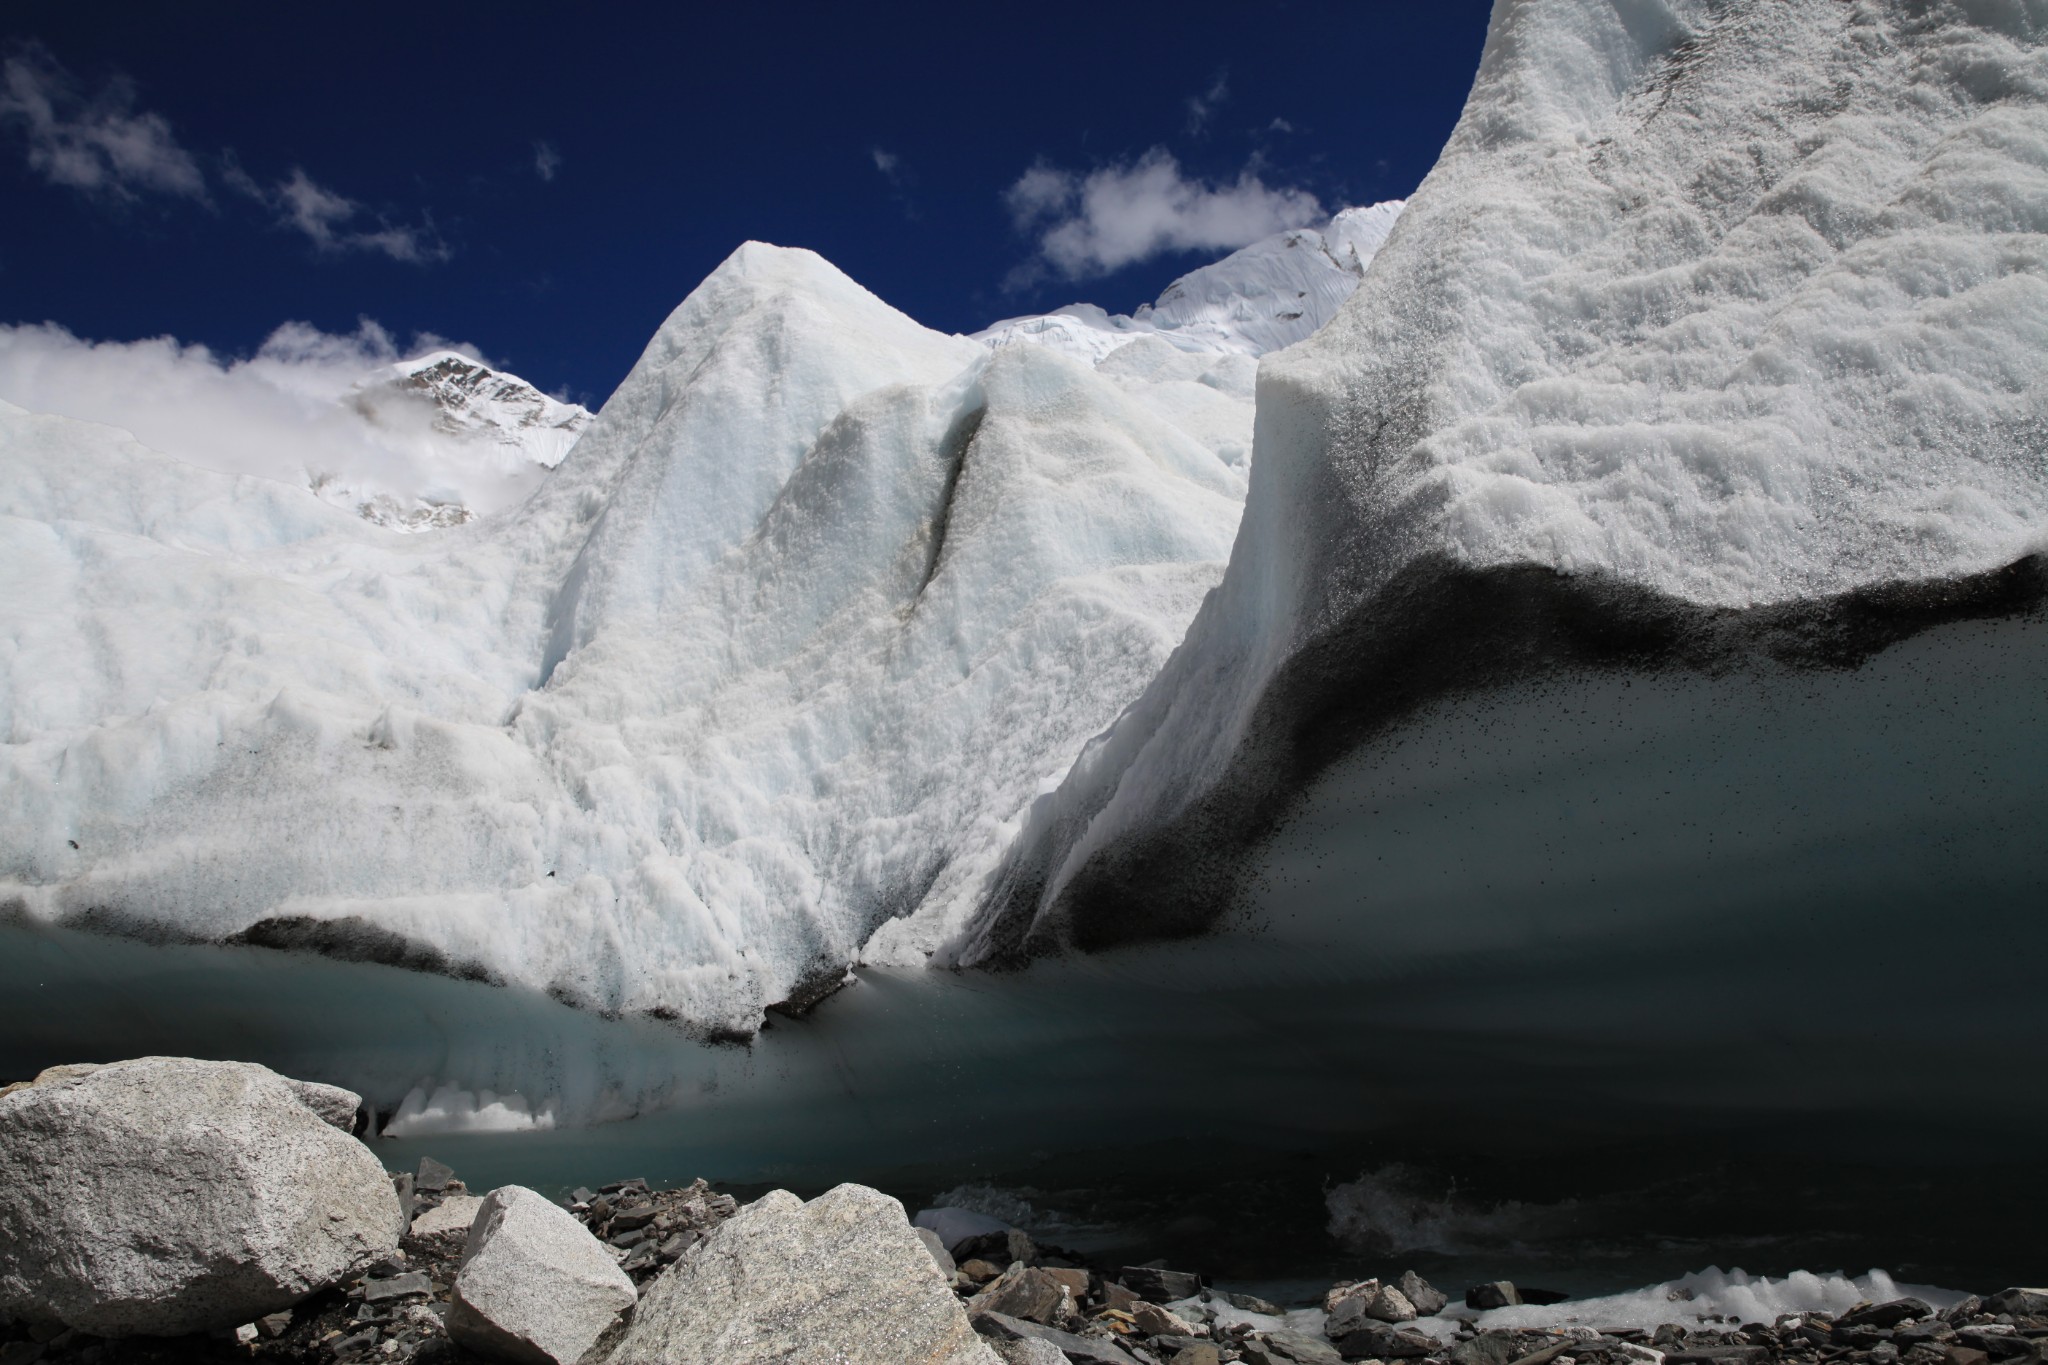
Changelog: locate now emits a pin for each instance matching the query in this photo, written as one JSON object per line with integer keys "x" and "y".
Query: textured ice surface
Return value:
{"x": 1270, "y": 294}
{"x": 1718, "y": 305}
{"x": 781, "y": 650}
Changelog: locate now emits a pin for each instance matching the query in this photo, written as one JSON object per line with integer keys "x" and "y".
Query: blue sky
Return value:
{"x": 546, "y": 184}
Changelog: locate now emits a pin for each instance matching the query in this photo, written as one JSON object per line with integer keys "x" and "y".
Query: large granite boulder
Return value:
{"x": 842, "y": 1278}
{"x": 166, "y": 1195}
{"x": 535, "y": 1286}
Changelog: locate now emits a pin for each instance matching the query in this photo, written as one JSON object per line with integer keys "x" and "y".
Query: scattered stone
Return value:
{"x": 1389, "y": 1304}
{"x": 1735, "y": 1354}
{"x": 275, "y": 1325}
{"x": 1272, "y": 1348}
{"x": 1076, "y": 1348}
{"x": 1427, "y": 1299}
{"x": 1491, "y": 1347}
{"x": 432, "y": 1177}
{"x": 397, "y": 1287}
{"x": 1252, "y": 1303}
{"x": 1550, "y": 1353}
{"x": 1115, "y": 1295}
{"x": 1028, "y": 1351}
{"x": 1495, "y": 1294}
{"x": 1964, "y": 1355}
{"x": 1158, "y": 1285}
{"x": 1076, "y": 1281}
{"x": 451, "y": 1218}
{"x": 1023, "y": 1292}
{"x": 188, "y": 1195}
{"x": 1155, "y": 1321}
{"x": 980, "y": 1271}
{"x": 408, "y": 1201}
{"x": 1884, "y": 1315}
{"x": 2032, "y": 1303}
{"x": 841, "y": 1278}
{"x": 1380, "y": 1341}
{"x": 534, "y": 1285}
{"x": 1196, "y": 1353}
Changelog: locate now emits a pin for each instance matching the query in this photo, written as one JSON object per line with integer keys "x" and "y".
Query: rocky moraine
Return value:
{"x": 169, "y": 1209}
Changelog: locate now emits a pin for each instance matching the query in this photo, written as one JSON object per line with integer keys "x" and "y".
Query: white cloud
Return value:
{"x": 885, "y": 162}
{"x": 325, "y": 218}
{"x": 293, "y": 411}
{"x": 546, "y": 160}
{"x": 1202, "y": 106}
{"x": 97, "y": 143}
{"x": 1119, "y": 215}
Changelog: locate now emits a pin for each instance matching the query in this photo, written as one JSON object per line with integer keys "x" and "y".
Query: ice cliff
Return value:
{"x": 1711, "y": 352}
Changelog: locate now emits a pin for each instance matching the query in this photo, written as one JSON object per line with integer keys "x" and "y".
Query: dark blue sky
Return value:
{"x": 148, "y": 152}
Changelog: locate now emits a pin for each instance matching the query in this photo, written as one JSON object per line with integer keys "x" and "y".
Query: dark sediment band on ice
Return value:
{"x": 351, "y": 938}
{"x": 1437, "y": 630}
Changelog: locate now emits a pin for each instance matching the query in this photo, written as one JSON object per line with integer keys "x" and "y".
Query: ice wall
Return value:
{"x": 1715, "y": 337}
{"x": 774, "y": 659}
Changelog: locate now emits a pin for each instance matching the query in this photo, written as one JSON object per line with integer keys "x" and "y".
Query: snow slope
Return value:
{"x": 1268, "y": 295}
{"x": 817, "y": 604}
{"x": 1709, "y": 308}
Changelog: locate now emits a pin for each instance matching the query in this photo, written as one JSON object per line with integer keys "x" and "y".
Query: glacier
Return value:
{"x": 1576, "y": 681}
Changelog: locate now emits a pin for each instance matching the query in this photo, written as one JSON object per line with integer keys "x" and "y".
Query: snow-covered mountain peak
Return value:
{"x": 476, "y": 437}
{"x": 469, "y": 396}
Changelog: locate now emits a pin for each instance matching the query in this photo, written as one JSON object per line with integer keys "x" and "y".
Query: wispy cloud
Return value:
{"x": 1203, "y": 106}
{"x": 99, "y": 142}
{"x": 335, "y": 223}
{"x": 1115, "y": 216}
{"x": 95, "y": 142}
{"x": 898, "y": 174}
{"x": 546, "y": 160}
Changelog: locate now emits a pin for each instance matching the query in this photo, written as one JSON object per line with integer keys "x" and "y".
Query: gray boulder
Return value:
{"x": 452, "y": 1217}
{"x": 165, "y": 1195}
{"x": 534, "y": 1286}
{"x": 334, "y": 1105}
{"x": 842, "y": 1278}
{"x": 1426, "y": 1297}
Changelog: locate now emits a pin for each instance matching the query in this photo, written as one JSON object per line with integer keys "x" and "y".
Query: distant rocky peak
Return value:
{"x": 471, "y": 398}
